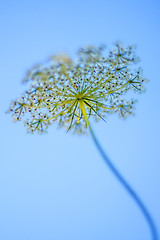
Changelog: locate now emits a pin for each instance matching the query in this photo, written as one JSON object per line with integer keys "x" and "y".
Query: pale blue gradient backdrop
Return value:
{"x": 56, "y": 186}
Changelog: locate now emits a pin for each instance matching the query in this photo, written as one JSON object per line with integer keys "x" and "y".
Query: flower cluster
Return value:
{"x": 70, "y": 92}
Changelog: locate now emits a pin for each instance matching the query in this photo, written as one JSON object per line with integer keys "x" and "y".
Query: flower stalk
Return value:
{"x": 125, "y": 184}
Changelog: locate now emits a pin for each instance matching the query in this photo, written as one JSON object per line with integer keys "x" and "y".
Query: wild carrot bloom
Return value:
{"x": 70, "y": 92}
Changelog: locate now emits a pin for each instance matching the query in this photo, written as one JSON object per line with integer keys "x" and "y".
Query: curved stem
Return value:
{"x": 128, "y": 188}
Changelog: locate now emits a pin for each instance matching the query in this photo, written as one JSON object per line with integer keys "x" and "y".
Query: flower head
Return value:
{"x": 70, "y": 92}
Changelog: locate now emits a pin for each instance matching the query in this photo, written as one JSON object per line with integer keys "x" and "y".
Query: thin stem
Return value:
{"x": 128, "y": 188}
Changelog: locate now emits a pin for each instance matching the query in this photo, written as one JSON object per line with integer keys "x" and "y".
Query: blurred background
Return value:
{"x": 56, "y": 186}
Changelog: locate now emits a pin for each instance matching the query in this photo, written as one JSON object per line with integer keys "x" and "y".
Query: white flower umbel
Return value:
{"x": 58, "y": 87}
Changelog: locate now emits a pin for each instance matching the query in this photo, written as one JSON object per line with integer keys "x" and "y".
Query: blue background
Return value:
{"x": 56, "y": 186}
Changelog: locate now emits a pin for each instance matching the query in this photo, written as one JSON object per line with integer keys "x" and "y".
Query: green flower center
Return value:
{"x": 79, "y": 96}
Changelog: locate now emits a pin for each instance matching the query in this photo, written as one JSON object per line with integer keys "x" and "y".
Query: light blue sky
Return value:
{"x": 56, "y": 186}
